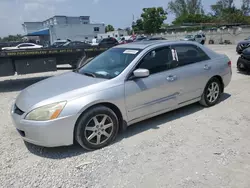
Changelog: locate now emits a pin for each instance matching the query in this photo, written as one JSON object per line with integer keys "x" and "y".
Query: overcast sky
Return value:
{"x": 116, "y": 12}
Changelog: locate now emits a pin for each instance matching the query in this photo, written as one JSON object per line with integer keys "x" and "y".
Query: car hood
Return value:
{"x": 246, "y": 52}
{"x": 64, "y": 87}
{"x": 244, "y": 42}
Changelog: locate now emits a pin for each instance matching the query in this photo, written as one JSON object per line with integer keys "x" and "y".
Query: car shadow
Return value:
{"x": 153, "y": 123}
{"x": 19, "y": 84}
{"x": 161, "y": 120}
{"x": 244, "y": 72}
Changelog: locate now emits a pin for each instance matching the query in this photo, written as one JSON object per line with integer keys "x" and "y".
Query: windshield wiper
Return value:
{"x": 89, "y": 74}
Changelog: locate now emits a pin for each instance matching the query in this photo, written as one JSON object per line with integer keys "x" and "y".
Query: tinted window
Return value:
{"x": 112, "y": 41}
{"x": 104, "y": 41}
{"x": 157, "y": 60}
{"x": 188, "y": 54}
{"x": 198, "y": 36}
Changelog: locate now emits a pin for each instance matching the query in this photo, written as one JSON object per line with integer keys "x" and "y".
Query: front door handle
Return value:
{"x": 171, "y": 78}
{"x": 207, "y": 67}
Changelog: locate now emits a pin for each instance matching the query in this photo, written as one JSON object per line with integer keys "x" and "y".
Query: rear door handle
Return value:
{"x": 171, "y": 78}
{"x": 207, "y": 67}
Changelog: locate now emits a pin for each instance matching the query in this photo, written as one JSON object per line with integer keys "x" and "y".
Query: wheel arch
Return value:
{"x": 221, "y": 81}
{"x": 113, "y": 107}
{"x": 219, "y": 78}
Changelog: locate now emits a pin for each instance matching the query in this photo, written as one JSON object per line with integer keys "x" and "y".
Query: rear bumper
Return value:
{"x": 227, "y": 79}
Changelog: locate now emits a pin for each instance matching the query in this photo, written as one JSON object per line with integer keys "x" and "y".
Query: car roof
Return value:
{"x": 147, "y": 43}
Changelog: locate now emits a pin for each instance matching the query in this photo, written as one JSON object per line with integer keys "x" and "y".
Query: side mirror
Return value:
{"x": 141, "y": 73}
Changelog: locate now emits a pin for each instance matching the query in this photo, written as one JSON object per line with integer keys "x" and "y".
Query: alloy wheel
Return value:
{"x": 213, "y": 92}
{"x": 99, "y": 129}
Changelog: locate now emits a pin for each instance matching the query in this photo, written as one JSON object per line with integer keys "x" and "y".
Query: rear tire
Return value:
{"x": 212, "y": 92}
{"x": 96, "y": 128}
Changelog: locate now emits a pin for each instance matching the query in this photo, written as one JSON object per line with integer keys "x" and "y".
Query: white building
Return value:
{"x": 63, "y": 27}
{"x": 115, "y": 34}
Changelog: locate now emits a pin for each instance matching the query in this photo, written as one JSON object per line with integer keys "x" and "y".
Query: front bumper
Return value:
{"x": 243, "y": 63}
{"x": 58, "y": 132}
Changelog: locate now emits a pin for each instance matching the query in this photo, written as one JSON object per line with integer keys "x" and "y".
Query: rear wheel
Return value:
{"x": 203, "y": 42}
{"x": 212, "y": 92}
{"x": 97, "y": 128}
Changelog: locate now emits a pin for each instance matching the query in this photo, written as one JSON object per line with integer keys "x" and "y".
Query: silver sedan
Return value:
{"x": 124, "y": 85}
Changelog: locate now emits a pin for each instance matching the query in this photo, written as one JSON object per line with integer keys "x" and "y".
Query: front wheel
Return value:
{"x": 240, "y": 67}
{"x": 97, "y": 128}
{"x": 212, "y": 92}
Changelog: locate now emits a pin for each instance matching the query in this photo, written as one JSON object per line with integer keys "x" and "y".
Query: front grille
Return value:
{"x": 245, "y": 45}
{"x": 18, "y": 111}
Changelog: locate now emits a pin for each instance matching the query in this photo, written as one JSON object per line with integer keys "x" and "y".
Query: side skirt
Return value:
{"x": 163, "y": 111}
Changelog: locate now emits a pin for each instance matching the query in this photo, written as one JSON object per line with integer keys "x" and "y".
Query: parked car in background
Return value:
{"x": 125, "y": 40}
{"x": 76, "y": 44}
{"x": 243, "y": 63}
{"x": 23, "y": 46}
{"x": 123, "y": 85}
{"x": 8, "y": 44}
{"x": 188, "y": 38}
{"x": 200, "y": 38}
{"x": 59, "y": 43}
{"x": 108, "y": 42}
{"x": 242, "y": 45}
{"x": 140, "y": 38}
{"x": 154, "y": 38}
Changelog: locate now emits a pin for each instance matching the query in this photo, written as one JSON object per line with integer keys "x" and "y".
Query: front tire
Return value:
{"x": 240, "y": 67}
{"x": 212, "y": 92}
{"x": 97, "y": 128}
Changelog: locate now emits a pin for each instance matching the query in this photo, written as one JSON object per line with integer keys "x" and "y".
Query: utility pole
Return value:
{"x": 133, "y": 23}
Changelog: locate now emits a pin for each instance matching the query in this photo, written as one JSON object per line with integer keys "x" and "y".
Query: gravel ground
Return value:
{"x": 187, "y": 148}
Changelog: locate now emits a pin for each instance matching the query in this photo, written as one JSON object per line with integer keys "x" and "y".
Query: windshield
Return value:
{"x": 110, "y": 63}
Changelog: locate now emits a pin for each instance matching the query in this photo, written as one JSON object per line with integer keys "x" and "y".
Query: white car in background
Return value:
{"x": 23, "y": 46}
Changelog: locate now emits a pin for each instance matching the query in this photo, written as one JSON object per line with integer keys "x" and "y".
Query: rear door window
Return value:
{"x": 188, "y": 54}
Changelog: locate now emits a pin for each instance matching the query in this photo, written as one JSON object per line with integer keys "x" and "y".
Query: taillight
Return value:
{"x": 229, "y": 63}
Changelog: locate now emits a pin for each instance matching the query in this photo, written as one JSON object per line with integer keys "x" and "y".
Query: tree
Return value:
{"x": 153, "y": 18}
{"x": 245, "y": 7}
{"x": 226, "y": 12}
{"x": 128, "y": 29}
{"x": 12, "y": 38}
{"x": 109, "y": 28}
{"x": 185, "y": 7}
{"x": 221, "y": 5}
{"x": 138, "y": 26}
{"x": 193, "y": 18}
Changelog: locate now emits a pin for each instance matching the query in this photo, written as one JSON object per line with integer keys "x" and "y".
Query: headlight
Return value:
{"x": 45, "y": 113}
